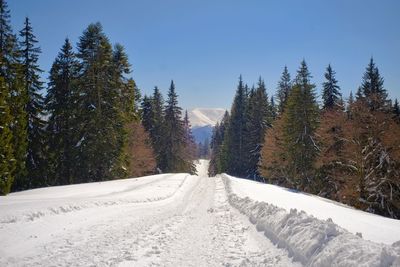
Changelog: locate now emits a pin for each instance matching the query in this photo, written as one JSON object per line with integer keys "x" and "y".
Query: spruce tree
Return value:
{"x": 396, "y": 110}
{"x": 217, "y": 157}
{"x": 283, "y": 90}
{"x": 372, "y": 87}
{"x": 300, "y": 123}
{"x": 99, "y": 119}
{"x": 7, "y": 160}
{"x": 60, "y": 105}
{"x": 259, "y": 118}
{"x": 36, "y": 163}
{"x": 14, "y": 93}
{"x": 331, "y": 91}
{"x": 174, "y": 144}
{"x": 157, "y": 128}
{"x": 234, "y": 147}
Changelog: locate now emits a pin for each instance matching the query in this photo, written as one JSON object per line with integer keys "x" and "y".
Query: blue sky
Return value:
{"x": 205, "y": 45}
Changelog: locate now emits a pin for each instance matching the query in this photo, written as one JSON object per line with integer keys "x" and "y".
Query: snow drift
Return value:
{"x": 312, "y": 241}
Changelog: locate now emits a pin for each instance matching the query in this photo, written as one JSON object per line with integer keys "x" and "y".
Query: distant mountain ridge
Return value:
{"x": 203, "y": 121}
{"x": 200, "y": 117}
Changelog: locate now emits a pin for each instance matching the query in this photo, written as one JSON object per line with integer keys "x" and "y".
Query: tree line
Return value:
{"x": 86, "y": 124}
{"x": 348, "y": 151}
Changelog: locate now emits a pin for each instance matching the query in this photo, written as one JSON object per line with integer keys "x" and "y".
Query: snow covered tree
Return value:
{"x": 300, "y": 123}
{"x": 283, "y": 90}
{"x": 60, "y": 105}
{"x": 36, "y": 162}
{"x": 331, "y": 91}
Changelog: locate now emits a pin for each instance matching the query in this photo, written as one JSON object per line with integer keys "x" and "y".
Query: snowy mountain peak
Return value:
{"x": 200, "y": 117}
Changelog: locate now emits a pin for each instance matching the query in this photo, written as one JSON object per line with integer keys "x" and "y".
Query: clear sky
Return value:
{"x": 205, "y": 45}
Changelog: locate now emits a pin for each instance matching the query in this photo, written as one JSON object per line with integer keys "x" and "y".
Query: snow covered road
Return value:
{"x": 162, "y": 220}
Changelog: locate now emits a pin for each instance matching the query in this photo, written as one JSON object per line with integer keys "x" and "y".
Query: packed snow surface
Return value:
{"x": 200, "y": 117}
{"x": 162, "y": 220}
{"x": 181, "y": 220}
{"x": 372, "y": 227}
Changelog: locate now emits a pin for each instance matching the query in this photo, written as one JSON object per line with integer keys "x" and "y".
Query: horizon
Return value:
{"x": 204, "y": 48}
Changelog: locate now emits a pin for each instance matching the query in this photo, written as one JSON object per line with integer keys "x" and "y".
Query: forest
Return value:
{"x": 344, "y": 150}
{"x": 90, "y": 123}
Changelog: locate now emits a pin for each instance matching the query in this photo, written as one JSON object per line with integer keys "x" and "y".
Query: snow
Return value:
{"x": 177, "y": 220}
{"x": 310, "y": 240}
{"x": 200, "y": 117}
{"x": 372, "y": 227}
{"x": 168, "y": 220}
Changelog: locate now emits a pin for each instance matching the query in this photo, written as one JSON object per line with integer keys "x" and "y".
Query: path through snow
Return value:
{"x": 170, "y": 220}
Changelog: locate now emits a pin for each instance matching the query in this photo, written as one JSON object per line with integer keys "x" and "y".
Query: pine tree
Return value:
{"x": 372, "y": 87}
{"x": 99, "y": 119}
{"x": 156, "y": 130}
{"x": 331, "y": 91}
{"x": 283, "y": 90}
{"x": 60, "y": 105}
{"x": 234, "y": 148}
{"x": 300, "y": 123}
{"x": 273, "y": 108}
{"x": 36, "y": 164}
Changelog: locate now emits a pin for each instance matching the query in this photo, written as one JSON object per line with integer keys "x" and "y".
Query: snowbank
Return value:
{"x": 33, "y": 204}
{"x": 312, "y": 241}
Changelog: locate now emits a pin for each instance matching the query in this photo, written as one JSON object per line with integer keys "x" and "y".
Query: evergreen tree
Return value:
{"x": 14, "y": 95}
{"x": 100, "y": 120}
{"x": 273, "y": 108}
{"x": 234, "y": 150}
{"x": 259, "y": 118}
{"x": 331, "y": 91}
{"x": 174, "y": 132}
{"x": 396, "y": 110}
{"x": 190, "y": 144}
{"x": 300, "y": 123}
{"x": 157, "y": 128}
{"x": 7, "y": 160}
{"x": 147, "y": 113}
{"x": 60, "y": 105}
{"x": 372, "y": 87}
{"x": 217, "y": 157}
{"x": 284, "y": 86}
{"x": 36, "y": 164}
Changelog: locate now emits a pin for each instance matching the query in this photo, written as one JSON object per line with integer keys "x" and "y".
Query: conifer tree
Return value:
{"x": 273, "y": 108}
{"x": 7, "y": 160}
{"x": 259, "y": 118}
{"x": 60, "y": 105}
{"x": 300, "y": 123}
{"x": 372, "y": 87}
{"x": 14, "y": 94}
{"x": 189, "y": 140}
{"x": 217, "y": 140}
{"x": 36, "y": 164}
{"x": 174, "y": 132}
{"x": 396, "y": 110}
{"x": 100, "y": 120}
{"x": 331, "y": 91}
{"x": 284, "y": 86}
{"x": 234, "y": 149}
